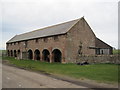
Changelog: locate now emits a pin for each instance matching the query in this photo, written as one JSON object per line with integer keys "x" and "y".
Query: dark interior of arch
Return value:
{"x": 18, "y": 51}
{"x": 37, "y": 55}
{"x": 8, "y": 53}
{"x": 30, "y": 54}
{"x": 57, "y": 55}
{"x": 15, "y": 54}
{"x": 46, "y": 55}
{"x": 11, "y": 53}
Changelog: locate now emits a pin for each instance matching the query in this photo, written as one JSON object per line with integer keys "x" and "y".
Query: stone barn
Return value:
{"x": 58, "y": 43}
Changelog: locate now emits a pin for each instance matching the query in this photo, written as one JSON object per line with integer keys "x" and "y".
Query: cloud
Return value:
{"x": 22, "y": 16}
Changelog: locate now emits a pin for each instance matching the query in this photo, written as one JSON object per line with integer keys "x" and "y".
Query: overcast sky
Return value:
{"x": 20, "y": 16}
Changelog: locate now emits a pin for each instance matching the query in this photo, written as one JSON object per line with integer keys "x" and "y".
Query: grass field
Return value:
{"x": 2, "y": 51}
{"x": 116, "y": 52}
{"x": 107, "y": 73}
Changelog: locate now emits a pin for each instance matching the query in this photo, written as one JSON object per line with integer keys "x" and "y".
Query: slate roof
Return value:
{"x": 44, "y": 32}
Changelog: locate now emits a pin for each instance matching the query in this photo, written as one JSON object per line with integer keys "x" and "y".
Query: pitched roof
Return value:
{"x": 100, "y": 44}
{"x": 44, "y": 32}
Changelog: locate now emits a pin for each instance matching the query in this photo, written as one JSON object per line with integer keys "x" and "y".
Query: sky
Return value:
{"x": 20, "y": 16}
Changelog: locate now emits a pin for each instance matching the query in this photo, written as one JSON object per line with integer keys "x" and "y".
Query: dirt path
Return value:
{"x": 18, "y": 78}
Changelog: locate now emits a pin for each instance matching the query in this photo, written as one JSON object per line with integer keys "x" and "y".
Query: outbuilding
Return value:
{"x": 58, "y": 43}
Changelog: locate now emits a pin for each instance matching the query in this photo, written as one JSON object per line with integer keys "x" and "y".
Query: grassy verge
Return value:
{"x": 100, "y": 72}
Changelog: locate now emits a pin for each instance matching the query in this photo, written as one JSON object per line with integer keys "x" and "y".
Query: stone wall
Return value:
{"x": 99, "y": 59}
{"x": 80, "y": 35}
{"x": 40, "y": 45}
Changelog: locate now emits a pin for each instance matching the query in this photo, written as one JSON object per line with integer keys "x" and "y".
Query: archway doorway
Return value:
{"x": 8, "y": 53}
{"x": 11, "y": 53}
{"x": 46, "y": 55}
{"x": 37, "y": 54}
{"x": 30, "y": 54}
{"x": 57, "y": 55}
{"x": 15, "y": 54}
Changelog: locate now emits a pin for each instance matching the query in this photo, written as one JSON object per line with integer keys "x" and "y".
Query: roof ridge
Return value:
{"x": 12, "y": 38}
{"x": 76, "y": 22}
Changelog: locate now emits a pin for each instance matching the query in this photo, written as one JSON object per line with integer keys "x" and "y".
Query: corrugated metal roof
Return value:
{"x": 44, "y": 32}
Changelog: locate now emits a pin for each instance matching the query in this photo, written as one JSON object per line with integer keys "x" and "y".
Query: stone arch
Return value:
{"x": 57, "y": 55}
{"x": 30, "y": 54}
{"x": 15, "y": 53}
{"x": 37, "y": 54}
{"x": 8, "y": 52}
{"x": 46, "y": 55}
{"x": 11, "y": 53}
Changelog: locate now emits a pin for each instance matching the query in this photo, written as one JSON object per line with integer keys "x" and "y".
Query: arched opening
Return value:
{"x": 30, "y": 54}
{"x": 37, "y": 54}
{"x": 8, "y": 53}
{"x": 15, "y": 54}
{"x": 11, "y": 53}
{"x": 18, "y": 52}
{"x": 46, "y": 55}
{"x": 57, "y": 55}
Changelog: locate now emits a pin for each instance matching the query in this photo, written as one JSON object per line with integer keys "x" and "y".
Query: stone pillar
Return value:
{"x": 18, "y": 55}
{"x": 41, "y": 57}
{"x": 21, "y": 55}
{"x": 63, "y": 57}
{"x": 13, "y": 53}
{"x": 33, "y": 56}
{"x": 51, "y": 57}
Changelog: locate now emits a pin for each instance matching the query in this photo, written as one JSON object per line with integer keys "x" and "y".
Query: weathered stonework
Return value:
{"x": 91, "y": 59}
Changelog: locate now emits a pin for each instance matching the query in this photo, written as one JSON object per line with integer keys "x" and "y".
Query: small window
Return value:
{"x": 18, "y": 42}
{"x": 14, "y": 43}
{"x": 36, "y": 40}
{"x": 25, "y": 42}
{"x": 45, "y": 39}
{"x": 98, "y": 51}
{"x": 55, "y": 38}
{"x": 102, "y": 51}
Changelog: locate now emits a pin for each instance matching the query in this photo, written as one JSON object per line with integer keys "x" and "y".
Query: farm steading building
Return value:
{"x": 58, "y": 43}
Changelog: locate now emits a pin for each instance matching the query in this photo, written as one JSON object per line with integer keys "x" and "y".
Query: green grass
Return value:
{"x": 116, "y": 52}
{"x": 2, "y": 52}
{"x": 99, "y": 72}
